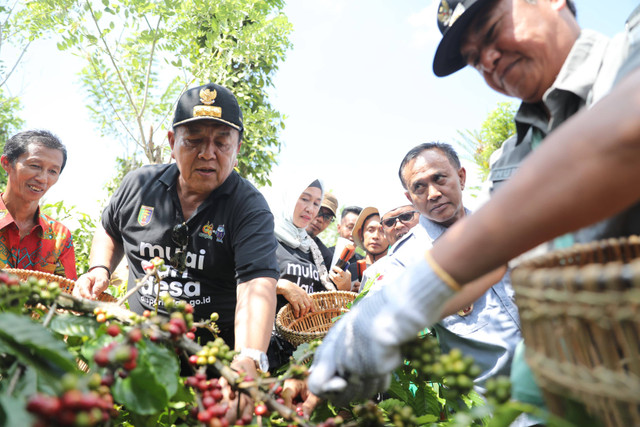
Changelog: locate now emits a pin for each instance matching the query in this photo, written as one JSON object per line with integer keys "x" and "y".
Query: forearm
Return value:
{"x": 105, "y": 250}
{"x": 255, "y": 313}
{"x": 583, "y": 172}
{"x": 472, "y": 291}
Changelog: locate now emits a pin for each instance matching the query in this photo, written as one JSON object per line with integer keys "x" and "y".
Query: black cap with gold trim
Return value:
{"x": 208, "y": 102}
{"x": 454, "y": 17}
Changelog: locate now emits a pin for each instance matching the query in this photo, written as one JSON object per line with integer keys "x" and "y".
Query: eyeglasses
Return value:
{"x": 326, "y": 216}
{"x": 180, "y": 236}
{"x": 403, "y": 218}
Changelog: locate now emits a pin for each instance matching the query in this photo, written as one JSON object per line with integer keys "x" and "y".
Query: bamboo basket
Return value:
{"x": 65, "y": 284}
{"x": 580, "y": 314}
{"x": 314, "y": 325}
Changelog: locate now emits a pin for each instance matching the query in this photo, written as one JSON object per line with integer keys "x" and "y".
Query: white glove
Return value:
{"x": 359, "y": 353}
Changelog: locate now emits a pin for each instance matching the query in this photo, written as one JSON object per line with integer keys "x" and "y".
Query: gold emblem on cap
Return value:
{"x": 444, "y": 12}
{"x": 207, "y": 111}
{"x": 208, "y": 97}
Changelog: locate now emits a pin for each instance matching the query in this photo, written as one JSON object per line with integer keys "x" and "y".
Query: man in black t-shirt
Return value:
{"x": 211, "y": 226}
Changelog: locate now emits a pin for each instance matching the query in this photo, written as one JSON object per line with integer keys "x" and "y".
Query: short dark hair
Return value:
{"x": 350, "y": 209}
{"x": 18, "y": 144}
{"x": 415, "y": 152}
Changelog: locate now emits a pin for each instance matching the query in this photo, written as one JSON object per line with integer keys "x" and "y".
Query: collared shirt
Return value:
{"x": 594, "y": 65}
{"x": 231, "y": 240}
{"x": 489, "y": 333}
{"x": 48, "y": 247}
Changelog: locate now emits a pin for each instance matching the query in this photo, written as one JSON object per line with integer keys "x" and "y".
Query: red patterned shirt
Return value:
{"x": 48, "y": 247}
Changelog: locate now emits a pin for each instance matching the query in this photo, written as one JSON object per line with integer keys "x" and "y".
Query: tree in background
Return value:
{"x": 10, "y": 106}
{"x": 494, "y": 131}
{"x": 141, "y": 54}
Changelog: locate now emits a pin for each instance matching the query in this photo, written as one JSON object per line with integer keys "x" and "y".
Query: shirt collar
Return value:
{"x": 6, "y": 218}
{"x": 577, "y": 76}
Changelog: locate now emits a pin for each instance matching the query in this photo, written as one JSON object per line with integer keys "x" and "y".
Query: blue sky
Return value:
{"x": 357, "y": 90}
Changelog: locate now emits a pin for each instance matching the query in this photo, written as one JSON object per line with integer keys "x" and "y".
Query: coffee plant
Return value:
{"x": 67, "y": 361}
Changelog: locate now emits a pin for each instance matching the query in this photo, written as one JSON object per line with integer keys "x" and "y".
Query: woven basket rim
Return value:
{"x": 298, "y": 337}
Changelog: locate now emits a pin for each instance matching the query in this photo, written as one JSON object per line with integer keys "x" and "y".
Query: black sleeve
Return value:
{"x": 254, "y": 241}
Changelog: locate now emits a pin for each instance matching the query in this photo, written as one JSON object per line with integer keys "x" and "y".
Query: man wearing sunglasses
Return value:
{"x": 213, "y": 229}
{"x": 489, "y": 329}
{"x": 398, "y": 221}
{"x": 326, "y": 215}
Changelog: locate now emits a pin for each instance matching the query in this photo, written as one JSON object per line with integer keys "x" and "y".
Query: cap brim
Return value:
{"x": 366, "y": 212}
{"x": 215, "y": 119}
{"x": 448, "y": 59}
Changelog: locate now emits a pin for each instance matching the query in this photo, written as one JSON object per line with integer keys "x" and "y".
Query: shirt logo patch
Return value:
{"x": 3, "y": 213}
{"x": 465, "y": 311}
{"x": 207, "y": 231}
{"x": 145, "y": 215}
{"x": 220, "y": 233}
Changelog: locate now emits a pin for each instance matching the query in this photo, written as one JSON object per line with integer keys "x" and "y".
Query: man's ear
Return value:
{"x": 408, "y": 196}
{"x": 5, "y": 163}
{"x": 171, "y": 136}
{"x": 462, "y": 175}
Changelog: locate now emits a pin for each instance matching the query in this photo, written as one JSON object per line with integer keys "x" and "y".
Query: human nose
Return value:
{"x": 489, "y": 56}
{"x": 434, "y": 192}
{"x": 208, "y": 150}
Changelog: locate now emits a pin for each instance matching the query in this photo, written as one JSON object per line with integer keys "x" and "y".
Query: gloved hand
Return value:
{"x": 359, "y": 352}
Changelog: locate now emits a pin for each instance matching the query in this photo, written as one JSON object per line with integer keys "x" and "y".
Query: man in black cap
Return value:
{"x": 535, "y": 51}
{"x": 213, "y": 228}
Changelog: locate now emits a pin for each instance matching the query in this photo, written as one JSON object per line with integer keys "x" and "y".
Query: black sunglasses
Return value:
{"x": 180, "y": 236}
{"x": 326, "y": 216}
{"x": 403, "y": 218}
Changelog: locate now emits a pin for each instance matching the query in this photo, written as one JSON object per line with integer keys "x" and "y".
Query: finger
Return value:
{"x": 310, "y": 404}
{"x": 288, "y": 395}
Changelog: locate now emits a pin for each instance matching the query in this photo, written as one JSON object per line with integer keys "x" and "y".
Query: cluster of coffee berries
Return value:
{"x": 369, "y": 414}
{"x": 116, "y": 355}
{"x": 402, "y": 416}
{"x": 458, "y": 371}
{"x": 102, "y": 314}
{"x": 498, "y": 389}
{"x": 180, "y": 318}
{"x": 14, "y": 293}
{"x": 210, "y": 392}
{"x": 156, "y": 263}
{"x": 212, "y": 351}
{"x": 421, "y": 354}
{"x": 82, "y": 403}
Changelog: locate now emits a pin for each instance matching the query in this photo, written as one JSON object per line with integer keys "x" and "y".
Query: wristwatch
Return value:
{"x": 259, "y": 357}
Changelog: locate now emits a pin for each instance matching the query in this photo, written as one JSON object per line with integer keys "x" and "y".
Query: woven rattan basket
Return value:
{"x": 313, "y": 325}
{"x": 580, "y": 314}
{"x": 65, "y": 284}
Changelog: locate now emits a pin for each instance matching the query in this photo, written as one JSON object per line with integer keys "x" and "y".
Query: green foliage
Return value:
{"x": 494, "y": 131}
{"x": 82, "y": 233}
{"x": 239, "y": 44}
{"x": 124, "y": 165}
{"x": 10, "y": 121}
{"x": 141, "y": 54}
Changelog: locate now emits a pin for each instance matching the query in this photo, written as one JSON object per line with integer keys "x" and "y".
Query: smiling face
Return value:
{"x": 205, "y": 153}
{"x": 435, "y": 186}
{"x": 401, "y": 223}
{"x": 520, "y": 47}
{"x": 307, "y": 207}
{"x": 33, "y": 173}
